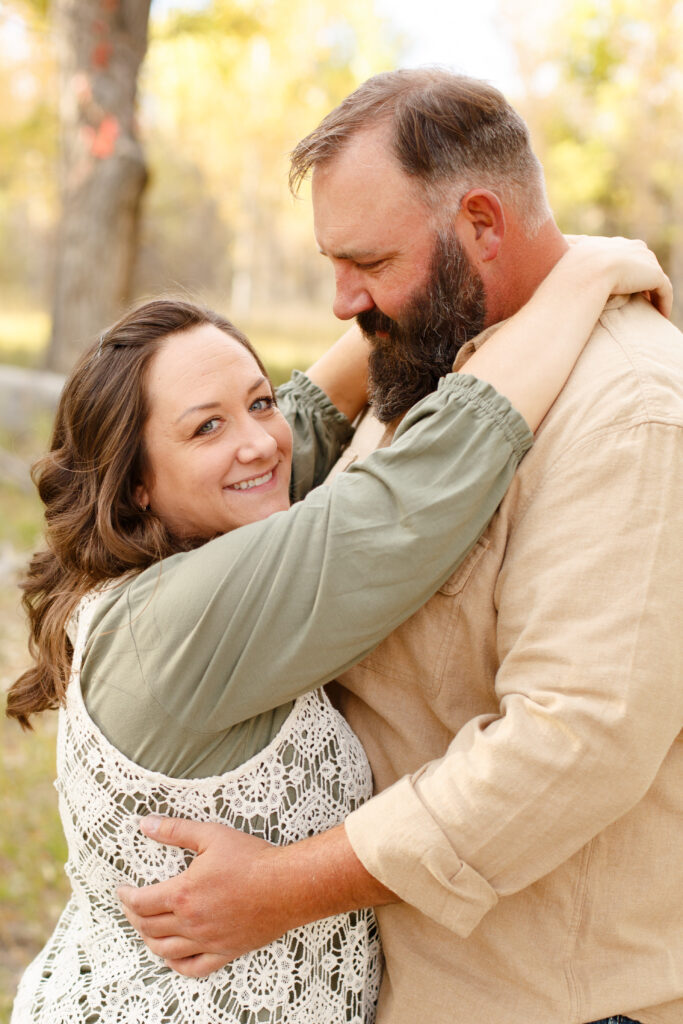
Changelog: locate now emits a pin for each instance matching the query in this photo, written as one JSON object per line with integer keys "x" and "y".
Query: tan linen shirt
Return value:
{"x": 531, "y": 711}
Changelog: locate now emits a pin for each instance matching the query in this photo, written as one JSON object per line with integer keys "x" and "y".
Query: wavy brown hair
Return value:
{"x": 95, "y": 529}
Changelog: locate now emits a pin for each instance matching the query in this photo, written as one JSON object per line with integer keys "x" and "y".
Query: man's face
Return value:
{"x": 407, "y": 284}
{"x": 409, "y": 354}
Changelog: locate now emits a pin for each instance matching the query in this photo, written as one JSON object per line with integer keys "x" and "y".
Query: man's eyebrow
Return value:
{"x": 354, "y": 254}
{"x": 205, "y": 406}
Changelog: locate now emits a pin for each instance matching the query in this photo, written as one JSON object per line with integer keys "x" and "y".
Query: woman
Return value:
{"x": 173, "y": 557}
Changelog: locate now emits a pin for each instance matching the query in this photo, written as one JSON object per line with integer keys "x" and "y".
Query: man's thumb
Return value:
{"x": 173, "y": 831}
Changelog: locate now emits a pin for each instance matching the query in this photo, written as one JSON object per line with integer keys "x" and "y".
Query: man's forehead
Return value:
{"x": 367, "y": 156}
{"x": 362, "y": 198}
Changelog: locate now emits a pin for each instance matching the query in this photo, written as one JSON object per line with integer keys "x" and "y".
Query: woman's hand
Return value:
{"x": 531, "y": 355}
{"x": 626, "y": 265}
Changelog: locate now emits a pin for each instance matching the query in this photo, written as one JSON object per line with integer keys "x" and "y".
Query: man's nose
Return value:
{"x": 351, "y": 296}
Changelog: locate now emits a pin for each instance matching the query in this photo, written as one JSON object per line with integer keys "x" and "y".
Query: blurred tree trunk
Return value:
{"x": 101, "y": 45}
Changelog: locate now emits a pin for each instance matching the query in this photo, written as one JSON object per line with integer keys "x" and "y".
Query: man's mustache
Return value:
{"x": 372, "y": 321}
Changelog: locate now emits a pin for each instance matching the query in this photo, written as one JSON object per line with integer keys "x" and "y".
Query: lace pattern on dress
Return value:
{"x": 95, "y": 967}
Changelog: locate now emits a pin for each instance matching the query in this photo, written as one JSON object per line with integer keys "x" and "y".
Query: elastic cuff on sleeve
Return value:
{"x": 397, "y": 841}
{"x": 496, "y": 407}
{"x": 300, "y": 384}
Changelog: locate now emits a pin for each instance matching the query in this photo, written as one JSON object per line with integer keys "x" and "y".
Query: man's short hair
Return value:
{"x": 449, "y": 132}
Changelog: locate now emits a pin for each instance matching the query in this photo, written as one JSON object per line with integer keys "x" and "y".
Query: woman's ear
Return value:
{"x": 482, "y": 220}
{"x": 141, "y": 496}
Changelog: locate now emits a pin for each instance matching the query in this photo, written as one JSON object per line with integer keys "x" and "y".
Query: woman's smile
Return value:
{"x": 254, "y": 482}
{"x": 219, "y": 450}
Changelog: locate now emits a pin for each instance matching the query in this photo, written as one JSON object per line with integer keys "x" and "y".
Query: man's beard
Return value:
{"x": 406, "y": 365}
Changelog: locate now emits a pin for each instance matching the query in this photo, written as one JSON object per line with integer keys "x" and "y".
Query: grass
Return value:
{"x": 33, "y": 887}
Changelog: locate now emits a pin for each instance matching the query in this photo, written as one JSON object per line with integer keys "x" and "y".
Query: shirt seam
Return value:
{"x": 585, "y": 441}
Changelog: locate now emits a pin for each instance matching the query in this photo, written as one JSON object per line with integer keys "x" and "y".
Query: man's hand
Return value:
{"x": 239, "y": 893}
{"x": 194, "y": 921}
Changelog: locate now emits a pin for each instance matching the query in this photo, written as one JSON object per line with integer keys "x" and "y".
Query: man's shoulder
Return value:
{"x": 631, "y": 372}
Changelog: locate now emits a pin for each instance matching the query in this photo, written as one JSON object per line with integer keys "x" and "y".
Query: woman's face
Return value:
{"x": 219, "y": 452}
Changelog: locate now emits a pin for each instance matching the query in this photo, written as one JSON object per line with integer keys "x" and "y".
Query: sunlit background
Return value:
{"x": 228, "y": 87}
{"x": 225, "y": 90}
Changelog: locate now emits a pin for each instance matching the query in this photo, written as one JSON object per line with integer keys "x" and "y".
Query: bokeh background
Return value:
{"x": 144, "y": 151}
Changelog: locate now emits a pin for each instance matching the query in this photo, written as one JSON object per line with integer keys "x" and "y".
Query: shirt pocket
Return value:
{"x": 423, "y": 652}
{"x": 456, "y": 583}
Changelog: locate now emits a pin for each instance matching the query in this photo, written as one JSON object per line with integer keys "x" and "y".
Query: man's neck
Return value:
{"x": 522, "y": 264}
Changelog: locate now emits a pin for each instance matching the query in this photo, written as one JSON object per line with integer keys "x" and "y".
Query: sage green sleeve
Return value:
{"x": 319, "y": 432}
{"x": 254, "y": 618}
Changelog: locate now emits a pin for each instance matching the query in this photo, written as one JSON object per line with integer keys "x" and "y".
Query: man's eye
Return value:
{"x": 262, "y": 404}
{"x": 370, "y": 266}
{"x": 209, "y": 426}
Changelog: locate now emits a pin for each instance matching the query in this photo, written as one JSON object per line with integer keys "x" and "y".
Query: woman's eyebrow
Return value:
{"x": 214, "y": 404}
{"x": 256, "y": 385}
{"x": 197, "y": 408}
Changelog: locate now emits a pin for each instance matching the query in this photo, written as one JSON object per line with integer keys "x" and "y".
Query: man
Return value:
{"x": 524, "y": 848}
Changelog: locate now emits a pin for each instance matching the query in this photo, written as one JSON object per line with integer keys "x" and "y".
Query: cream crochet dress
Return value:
{"x": 95, "y": 968}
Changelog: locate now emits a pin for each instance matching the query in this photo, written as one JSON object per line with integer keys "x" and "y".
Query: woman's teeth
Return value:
{"x": 244, "y": 485}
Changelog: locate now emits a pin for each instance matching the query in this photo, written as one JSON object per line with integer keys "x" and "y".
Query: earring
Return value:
{"x": 144, "y": 508}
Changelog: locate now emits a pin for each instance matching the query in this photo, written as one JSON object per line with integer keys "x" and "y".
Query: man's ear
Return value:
{"x": 482, "y": 224}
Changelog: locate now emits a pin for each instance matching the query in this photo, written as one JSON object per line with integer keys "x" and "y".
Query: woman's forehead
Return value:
{"x": 197, "y": 358}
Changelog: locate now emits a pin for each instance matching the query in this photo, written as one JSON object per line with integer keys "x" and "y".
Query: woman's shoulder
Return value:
{"x": 96, "y": 603}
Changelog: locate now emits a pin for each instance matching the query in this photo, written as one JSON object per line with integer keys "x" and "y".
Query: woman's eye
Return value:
{"x": 262, "y": 404}
{"x": 209, "y": 426}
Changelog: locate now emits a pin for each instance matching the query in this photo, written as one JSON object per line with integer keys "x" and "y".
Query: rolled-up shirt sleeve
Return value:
{"x": 590, "y": 637}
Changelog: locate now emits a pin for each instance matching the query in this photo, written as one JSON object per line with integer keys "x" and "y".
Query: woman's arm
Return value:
{"x": 254, "y": 618}
{"x": 530, "y": 357}
{"x": 319, "y": 407}
{"x": 268, "y": 611}
{"x": 342, "y": 372}
{"x": 319, "y": 432}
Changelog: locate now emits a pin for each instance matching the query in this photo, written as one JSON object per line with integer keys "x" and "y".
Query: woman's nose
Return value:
{"x": 257, "y": 443}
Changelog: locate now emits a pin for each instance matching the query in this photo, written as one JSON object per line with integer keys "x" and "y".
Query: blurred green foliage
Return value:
{"x": 604, "y": 98}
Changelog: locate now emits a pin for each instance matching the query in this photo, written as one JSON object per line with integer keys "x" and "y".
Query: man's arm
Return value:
{"x": 589, "y": 634}
{"x": 240, "y": 892}
{"x": 590, "y": 642}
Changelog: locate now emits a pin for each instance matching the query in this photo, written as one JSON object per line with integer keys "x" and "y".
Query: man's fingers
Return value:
{"x": 174, "y": 948}
{"x": 199, "y": 966}
{"x": 149, "y": 901}
{"x": 159, "y": 926}
{"x": 191, "y": 835}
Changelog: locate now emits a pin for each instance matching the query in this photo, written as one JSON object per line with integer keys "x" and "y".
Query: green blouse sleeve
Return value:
{"x": 258, "y": 616}
{"x": 319, "y": 431}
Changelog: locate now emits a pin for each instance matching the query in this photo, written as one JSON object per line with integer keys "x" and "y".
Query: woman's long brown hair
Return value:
{"x": 95, "y": 529}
